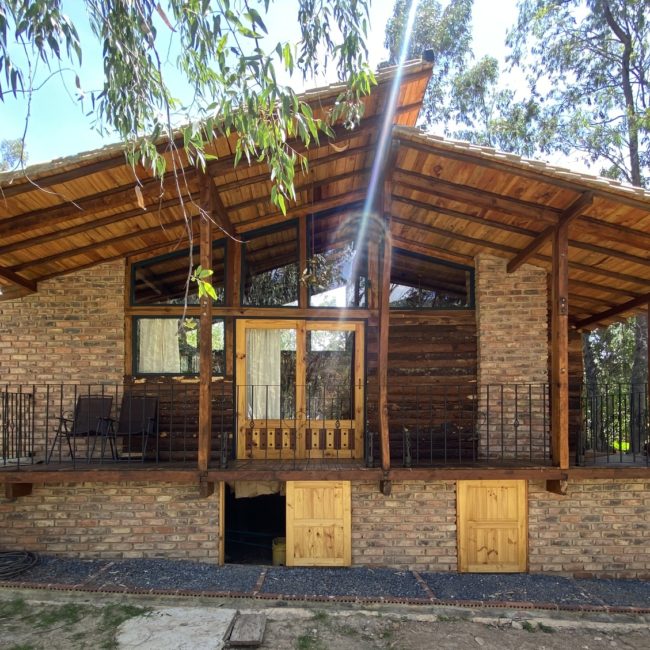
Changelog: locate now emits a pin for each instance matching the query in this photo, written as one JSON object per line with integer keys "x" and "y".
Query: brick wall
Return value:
{"x": 414, "y": 528}
{"x": 71, "y": 330}
{"x": 601, "y": 527}
{"x": 511, "y": 318}
{"x": 124, "y": 520}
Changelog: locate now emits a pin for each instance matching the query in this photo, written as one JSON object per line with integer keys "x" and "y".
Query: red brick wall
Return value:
{"x": 414, "y": 528}
{"x": 71, "y": 330}
{"x": 512, "y": 323}
{"x": 124, "y": 520}
{"x": 601, "y": 527}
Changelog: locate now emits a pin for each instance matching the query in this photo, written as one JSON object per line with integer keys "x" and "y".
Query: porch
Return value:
{"x": 85, "y": 429}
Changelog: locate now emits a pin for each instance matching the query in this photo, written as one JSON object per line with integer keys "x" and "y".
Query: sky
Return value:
{"x": 59, "y": 125}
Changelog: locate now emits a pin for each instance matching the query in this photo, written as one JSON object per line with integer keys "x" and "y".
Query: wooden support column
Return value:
{"x": 560, "y": 348}
{"x": 205, "y": 324}
{"x": 384, "y": 321}
{"x": 303, "y": 294}
{"x": 233, "y": 298}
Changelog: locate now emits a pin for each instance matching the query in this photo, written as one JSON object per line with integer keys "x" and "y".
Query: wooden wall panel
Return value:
{"x": 492, "y": 522}
{"x": 319, "y": 523}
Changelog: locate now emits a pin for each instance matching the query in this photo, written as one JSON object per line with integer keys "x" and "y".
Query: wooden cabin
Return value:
{"x": 390, "y": 375}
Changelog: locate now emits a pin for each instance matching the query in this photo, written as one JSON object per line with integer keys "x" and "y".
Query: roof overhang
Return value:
{"x": 451, "y": 200}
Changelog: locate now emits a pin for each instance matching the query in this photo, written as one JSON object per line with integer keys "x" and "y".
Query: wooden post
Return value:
{"x": 303, "y": 294}
{"x": 205, "y": 325}
{"x": 560, "y": 348}
{"x": 233, "y": 299}
{"x": 384, "y": 321}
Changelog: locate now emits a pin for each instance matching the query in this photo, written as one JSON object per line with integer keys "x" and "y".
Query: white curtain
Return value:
{"x": 263, "y": 373}
{"x": 158, "y": 349}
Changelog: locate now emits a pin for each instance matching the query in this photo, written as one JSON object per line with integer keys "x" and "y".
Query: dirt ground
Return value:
{"x": 60, "y": 620}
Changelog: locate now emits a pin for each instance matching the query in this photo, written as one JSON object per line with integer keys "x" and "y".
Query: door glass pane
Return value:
{"x": 330, "y": 374}
{"x": 270, "y": 374}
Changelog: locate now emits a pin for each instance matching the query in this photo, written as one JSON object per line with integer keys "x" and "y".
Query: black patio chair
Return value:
{"x": 138, "y": 418}
{"x": 90, "y": 418}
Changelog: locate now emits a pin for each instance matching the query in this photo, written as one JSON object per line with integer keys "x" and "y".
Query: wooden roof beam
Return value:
{"x": 80, "y": 207}
{"x": 520, "y": 208}
{"x": 614, "y": 311}
{"x": 18, "y": 280}
{"x": 213, "y": 206}
{"x": 81, "y": 250}
{"x": 491, "y": 223}
{"x": 90, "y": 225}
{"x": 540, "y": 175}
{"x": 569, "y": 215}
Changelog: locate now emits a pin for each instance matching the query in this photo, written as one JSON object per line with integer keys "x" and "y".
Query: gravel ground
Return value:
{"x": 361, "y": 582}
{"x": 324, "y": 582}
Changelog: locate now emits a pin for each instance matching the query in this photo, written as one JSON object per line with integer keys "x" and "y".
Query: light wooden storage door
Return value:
{"x": 492, "y": 518}
{"x": 318, "y": 523}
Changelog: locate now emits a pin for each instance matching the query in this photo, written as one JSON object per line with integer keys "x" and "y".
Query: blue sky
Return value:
{"x": 59, "y": 126}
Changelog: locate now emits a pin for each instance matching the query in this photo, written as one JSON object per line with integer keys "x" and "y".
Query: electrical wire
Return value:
{"x": 13, "y": 563}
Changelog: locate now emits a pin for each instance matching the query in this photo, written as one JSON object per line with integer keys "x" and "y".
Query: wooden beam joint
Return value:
{"x": 15, "y": 490}
{"x": 557, "y": 486}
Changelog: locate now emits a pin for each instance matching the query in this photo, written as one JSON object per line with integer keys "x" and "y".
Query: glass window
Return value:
{"x": 270, "y": 373}
{"x": 170, "y": 346}
{"x": 418, "y": 282}
{"x": 337, "y": 269}
{"x": 162, "y": 280}
{"x": 330, "y": 373}
{"x": 271, "y": 268}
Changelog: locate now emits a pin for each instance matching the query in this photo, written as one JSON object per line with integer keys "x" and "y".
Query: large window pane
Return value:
{"x": 271, "y": 268}
{"x": 170, "y": 346}
{"x": 336, "y": 273}
{"x": 330, "y": 374}
{"x": 418, "y": 282}
{"x": 270, "y": 374}
{"x": 162, "y": 280}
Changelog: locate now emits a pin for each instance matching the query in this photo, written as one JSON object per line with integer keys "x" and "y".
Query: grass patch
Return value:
{"x": 547, "y": 629}
{"x": 529, "y": 627}
{"x": 320, "y": 615}
{"x": 13, "y": 608}
{"x": 308, "y": 642}
{"x": 114, "y": 615}
{"x": 67, "y": 614}
{"x": 21, "y": 646}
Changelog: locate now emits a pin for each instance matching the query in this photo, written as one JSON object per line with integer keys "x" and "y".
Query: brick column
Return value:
{"x": 512, "y": 373}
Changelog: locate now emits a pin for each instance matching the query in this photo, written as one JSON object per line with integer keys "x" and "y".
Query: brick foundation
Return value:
{"x": 600, "y": 528}
{"x": 72, "y": 330}
{"x": 414, "y": 528}
{"x": 124, "y": 520}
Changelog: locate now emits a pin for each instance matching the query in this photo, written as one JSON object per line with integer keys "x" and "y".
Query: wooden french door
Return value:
{"x": 300, "y": 389}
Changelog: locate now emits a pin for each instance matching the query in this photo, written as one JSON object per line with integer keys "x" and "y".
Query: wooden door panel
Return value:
{"x": 318, "y": 523}
{"x": 492, "y": 520}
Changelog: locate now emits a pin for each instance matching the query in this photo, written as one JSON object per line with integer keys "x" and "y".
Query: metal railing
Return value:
{"x": 81, "y": 424}
{"x": 464, "y": 424}
{"x": 16, "y": 426}
{"x": 614, "y": 425}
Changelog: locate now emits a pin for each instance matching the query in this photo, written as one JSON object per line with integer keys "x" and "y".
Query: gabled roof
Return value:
{"x": 451, "y": 200}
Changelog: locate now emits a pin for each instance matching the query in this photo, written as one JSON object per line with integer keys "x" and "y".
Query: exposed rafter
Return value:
{"x": 569, "y": 215}
{"x": 18, "y": 280}
{"x": 614, "y": 311}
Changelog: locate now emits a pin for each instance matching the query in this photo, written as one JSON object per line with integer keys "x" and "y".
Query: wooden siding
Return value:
{"x": 431, "y": 379}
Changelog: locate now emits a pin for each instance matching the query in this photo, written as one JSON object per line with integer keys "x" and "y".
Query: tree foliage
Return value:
{"x": 464, "y": 97}
{"x": 588, "y": 63}
{"x": 12, "y": 154}
{"x": 223, "y": 52}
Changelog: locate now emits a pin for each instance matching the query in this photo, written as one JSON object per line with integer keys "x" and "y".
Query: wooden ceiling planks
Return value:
{"x": 450, "y": 200}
